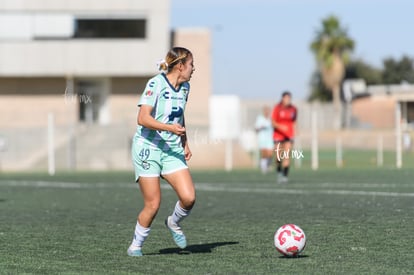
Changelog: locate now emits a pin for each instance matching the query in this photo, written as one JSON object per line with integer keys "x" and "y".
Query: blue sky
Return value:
{"x": 261, "y": 47}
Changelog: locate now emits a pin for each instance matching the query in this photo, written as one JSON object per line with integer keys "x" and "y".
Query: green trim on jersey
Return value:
{"x": 168, "y": 107}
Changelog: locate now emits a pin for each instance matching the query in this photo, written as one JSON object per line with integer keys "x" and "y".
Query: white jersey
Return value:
{"x": 264, "y": 129}
{"x": 168, "y": 107}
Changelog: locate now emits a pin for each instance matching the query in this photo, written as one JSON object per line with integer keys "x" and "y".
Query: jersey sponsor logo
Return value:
{"x": 166, "y": 95}
{"x": 176, "y": 112}
{"x": 151, "y": 84}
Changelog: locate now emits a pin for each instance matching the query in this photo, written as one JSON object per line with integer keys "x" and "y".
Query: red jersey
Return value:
{"x": 285, "y": 116}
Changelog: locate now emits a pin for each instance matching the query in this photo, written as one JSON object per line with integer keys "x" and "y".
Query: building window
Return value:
{"x": 410, "y": 113}
{"x": 110, "y": 28}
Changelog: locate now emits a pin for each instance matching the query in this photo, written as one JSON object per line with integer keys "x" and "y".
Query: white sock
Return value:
{"x": 179, "y": 214}
{"x": 269, "y": 163}
{"x": 140, "y": 234}
{"x": 263, "y": 165}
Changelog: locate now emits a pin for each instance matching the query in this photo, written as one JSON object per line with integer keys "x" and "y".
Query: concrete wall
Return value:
{"x": 375, "y": 111}
{"x": 26, "y": 102}
{"x": 32, "y": 110}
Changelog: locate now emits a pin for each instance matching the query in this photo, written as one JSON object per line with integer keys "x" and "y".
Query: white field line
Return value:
{"x": 202, "y": 187}
{"x": 364, "y": 185}
{"x": 211, "y": 187}
{"x": 58, "y": 184}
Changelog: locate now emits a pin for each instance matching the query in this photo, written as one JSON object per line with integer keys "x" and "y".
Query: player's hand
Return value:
{"x": 187, "y": 153}
{"x": 177, "y": 129}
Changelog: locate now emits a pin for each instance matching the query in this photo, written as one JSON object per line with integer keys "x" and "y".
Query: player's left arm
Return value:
{"x": 295, "y": 129}
{"x": 184, "y": 141}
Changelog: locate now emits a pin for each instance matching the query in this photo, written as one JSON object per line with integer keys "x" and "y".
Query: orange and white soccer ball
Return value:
{"x": 290, "y": 240}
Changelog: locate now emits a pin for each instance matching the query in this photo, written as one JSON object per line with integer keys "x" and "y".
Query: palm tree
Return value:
{"x": 331, "y": 46}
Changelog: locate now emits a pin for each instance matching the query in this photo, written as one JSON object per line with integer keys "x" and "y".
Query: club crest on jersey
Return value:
{"x": 148, "y": 93}
{"x": 145, "y": 165}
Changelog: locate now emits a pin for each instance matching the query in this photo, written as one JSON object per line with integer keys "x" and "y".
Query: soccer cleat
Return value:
{"x": 177, "y": 233}
{"x": 134, "y": 251}
{"x": 279, "y": 177}
{"x": 282, "y": 179}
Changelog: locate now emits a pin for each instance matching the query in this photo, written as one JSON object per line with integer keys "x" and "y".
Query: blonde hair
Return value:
{"x": 174, "y": 56}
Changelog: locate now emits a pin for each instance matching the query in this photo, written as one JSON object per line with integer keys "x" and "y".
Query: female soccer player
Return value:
{"x": 283, "y": 120}
{"x": 264, "y": 131}
{"x": 160, "y": 147}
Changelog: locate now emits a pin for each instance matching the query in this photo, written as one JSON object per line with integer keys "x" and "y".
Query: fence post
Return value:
{"x": 298, "y": 146}
{"x": 339, "y": 155}
{"x": 398, "y": 136}
{"x": 228, "y": 157}
{"x": 315, "y": 160}
{"x": 380, "y": 151}
{"x": 51, "y": 144}
{"x": 71, "y": 148}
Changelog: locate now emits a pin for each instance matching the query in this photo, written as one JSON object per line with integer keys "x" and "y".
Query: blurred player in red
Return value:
{"x": 283, "y": 121}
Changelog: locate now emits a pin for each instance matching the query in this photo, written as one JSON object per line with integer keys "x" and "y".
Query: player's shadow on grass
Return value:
{"x": 196, "y": 248}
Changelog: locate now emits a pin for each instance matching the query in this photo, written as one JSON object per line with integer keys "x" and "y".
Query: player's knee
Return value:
{"x": 188, "y": 201}
{"x": 153, "y": 206}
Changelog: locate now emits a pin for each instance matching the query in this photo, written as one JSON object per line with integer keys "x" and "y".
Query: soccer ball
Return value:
{"x": 290, "y": 240}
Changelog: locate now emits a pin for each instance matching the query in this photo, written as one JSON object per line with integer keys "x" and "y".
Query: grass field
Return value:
{"x": 356, "y": 221}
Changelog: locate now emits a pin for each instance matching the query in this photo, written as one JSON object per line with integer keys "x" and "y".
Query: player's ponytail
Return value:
{"x": 163, "y": 66}
{"x": 175, "y": 56}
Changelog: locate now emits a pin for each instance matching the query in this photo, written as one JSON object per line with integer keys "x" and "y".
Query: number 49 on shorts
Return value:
{"x": 144, "y": 154}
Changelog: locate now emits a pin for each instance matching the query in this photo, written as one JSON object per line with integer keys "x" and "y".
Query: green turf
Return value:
{"x": 353, "y": 158}
{"x": 356, "y": 221}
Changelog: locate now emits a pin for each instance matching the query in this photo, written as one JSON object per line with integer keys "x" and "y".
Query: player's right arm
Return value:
{"x": 146, "y": 120}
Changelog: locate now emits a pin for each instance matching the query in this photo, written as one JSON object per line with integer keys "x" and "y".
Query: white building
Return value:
{"x": 88, "y": 48}
{"x": 87, "y": 62}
